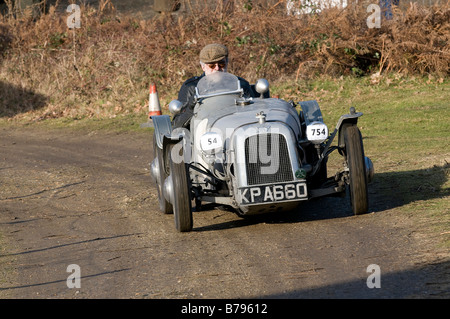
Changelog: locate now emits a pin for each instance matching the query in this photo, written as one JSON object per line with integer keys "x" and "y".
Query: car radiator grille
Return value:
{"x": 267, "y": 159}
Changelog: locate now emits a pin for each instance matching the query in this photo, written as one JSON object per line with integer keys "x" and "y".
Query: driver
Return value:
{"x": 213, "y": 58}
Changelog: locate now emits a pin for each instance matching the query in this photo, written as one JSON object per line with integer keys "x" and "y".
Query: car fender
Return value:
{"x": 345, "y": 121}
{"x": 163, "y": 127}
{"x": 166, "y": 136}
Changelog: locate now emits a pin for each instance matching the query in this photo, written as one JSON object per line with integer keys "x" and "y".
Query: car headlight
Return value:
{"x": 211, "y": 143}
{"x": 317, "y": 132}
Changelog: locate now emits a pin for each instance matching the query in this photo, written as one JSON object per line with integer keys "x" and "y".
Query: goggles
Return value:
{"x": 222, "y": 64}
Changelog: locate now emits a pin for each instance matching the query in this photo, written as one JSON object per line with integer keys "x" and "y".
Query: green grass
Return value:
{"x": 406, "y": 121}
{"x": 407, "y": 114}
{"x": 400, "y": 113}
{"x": 406, "y": 132}
{"x": 120, "y": 123}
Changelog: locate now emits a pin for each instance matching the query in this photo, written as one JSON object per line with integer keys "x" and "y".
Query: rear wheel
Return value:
{"x": 357, "y": 171}
{"x": 182, "y": 206}
{"x": 164, "y": 205}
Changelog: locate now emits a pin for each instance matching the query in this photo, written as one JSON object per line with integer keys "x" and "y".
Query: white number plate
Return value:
{"x": 211, "y": 141}
{"x": 262, "y": 194}
{"x": 317, "y": 132}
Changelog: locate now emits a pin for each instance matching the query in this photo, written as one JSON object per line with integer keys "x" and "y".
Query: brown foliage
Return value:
{"x": 112, "y": 58}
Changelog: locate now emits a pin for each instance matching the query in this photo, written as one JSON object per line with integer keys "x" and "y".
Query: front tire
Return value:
{"x": 182, "y": 206}
{"x": 357, "y": 171}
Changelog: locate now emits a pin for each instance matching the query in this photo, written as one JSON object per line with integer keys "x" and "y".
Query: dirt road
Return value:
{"x": 86, "y": 198}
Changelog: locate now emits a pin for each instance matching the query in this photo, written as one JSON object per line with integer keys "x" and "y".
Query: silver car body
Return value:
{"x": 254, "y": 154}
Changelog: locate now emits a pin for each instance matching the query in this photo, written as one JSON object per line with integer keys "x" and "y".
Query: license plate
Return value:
{"x": 281, "y": 192}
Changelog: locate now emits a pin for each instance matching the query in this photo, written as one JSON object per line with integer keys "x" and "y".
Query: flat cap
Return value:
{"x": 213, "y": 53}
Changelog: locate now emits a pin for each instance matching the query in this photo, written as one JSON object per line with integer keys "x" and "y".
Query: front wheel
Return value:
{"x": 182, "y": 206}
{"x": 357, "y": 172}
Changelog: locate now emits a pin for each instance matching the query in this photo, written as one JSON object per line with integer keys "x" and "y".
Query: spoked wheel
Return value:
{"x": 182, "y": 207}
{"x": 357, "y": 171}
{"x": 164, "y": 205}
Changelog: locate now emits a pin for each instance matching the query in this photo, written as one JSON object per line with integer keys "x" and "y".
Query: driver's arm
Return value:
{"x": 186, "y": 96}
{"x": 248, "y": 91}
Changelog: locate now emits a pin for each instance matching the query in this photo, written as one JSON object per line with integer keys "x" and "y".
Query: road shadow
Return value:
{"x": 45, "y": 283}
{"x": 387, "y": 191}
{"x": 26, "y": 252}
{"x": 17, "y": 99}
{"x": 429, "y": 281}
{"x": 395, "y": 189}
{"x": 6, "y": 39}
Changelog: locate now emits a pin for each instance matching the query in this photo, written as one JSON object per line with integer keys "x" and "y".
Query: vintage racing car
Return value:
{"x": 255, "y": 155}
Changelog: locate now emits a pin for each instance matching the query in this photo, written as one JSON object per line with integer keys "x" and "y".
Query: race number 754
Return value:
{"x": 316, "y": 131}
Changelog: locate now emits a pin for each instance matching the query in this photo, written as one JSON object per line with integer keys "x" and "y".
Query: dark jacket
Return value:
{"x": 186, "y": 97}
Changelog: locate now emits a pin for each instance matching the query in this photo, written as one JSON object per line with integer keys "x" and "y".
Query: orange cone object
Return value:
{"x": 153, "y": 102}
